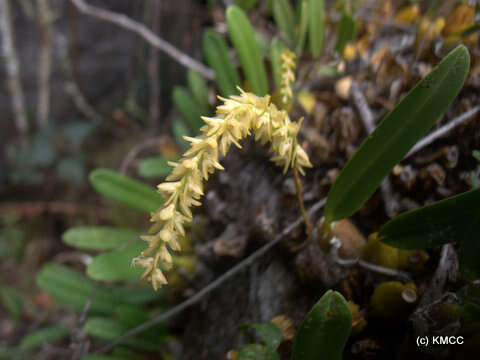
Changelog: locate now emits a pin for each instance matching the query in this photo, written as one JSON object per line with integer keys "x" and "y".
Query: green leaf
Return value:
{"x": 179, "y": 130}
{"x": 243, "y": 39}
{"x": 43, "y": 336}
{"x": 109, "y": 329}
{"x": 98, "y": 237}
{"x": 436, "y": 224}
{"x": 246, "y": 4}
{"x": 104, "y": 357}
{"x": 455, "y": 219}
{"x": 269, "y": 332}
{"x": 125, "y": 190}
{"x": 73, "y": 289}
{"x": 324, "y": 332}
{"x": 253, "y": 352}
{"x": 185, "y": 104}
{"x": 136, "y": 295}
{"x": 216, "y": 52}
{"x": 284, "y": 18}
{"x": 303, "y": 26}
{"x": 396, "y": 134}
{"x": 11, "y": 300}
{"x": 276, "y": 51}
{"x": 116, "y": 265}
{"x": 476, "y": 155}
{"x": 345, "y": 33}
{"x": 155, "y": 167}
{"x": 316, "y": 9}
{"x": 199, "y": 89}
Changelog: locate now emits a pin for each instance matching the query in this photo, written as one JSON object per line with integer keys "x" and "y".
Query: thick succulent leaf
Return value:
{"x": 345, "y": 33}
{"x": 199, "y": 89}
{"x": 215, "y": 50}
{"x": 248, "y": 51}
{"x": 155, "y": 167}
{"x": 125, "y": 190}
{"x": 325, "y": 330}
{"x": 98, "y": 237}
{"x": 396, "y": 134}
{"x": 470, "y": 246}
{"x": 316, "y": 9}
{"x": 116, "y": 265}
{"x": 187, "y": 106}
{"x": 432, "y": 225}
{"x": 284, "y": 18}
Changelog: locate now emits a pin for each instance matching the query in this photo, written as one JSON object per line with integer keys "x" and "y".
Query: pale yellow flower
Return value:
{"x": 235, "y": 119}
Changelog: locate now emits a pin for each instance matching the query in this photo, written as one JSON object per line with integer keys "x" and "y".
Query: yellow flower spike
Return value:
{"x": 235, "y": 119}
{"x": 287, "y": 68}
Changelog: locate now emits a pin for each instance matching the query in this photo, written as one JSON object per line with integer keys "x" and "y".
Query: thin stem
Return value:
{"x": 298, "y": 186}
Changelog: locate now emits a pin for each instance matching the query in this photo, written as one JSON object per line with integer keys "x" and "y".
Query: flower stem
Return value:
{"x": 298, "y": 186}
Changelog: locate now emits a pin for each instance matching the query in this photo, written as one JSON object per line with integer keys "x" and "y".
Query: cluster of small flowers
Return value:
{"x": 234, "y": 120}
{"x": 287, "y": 64}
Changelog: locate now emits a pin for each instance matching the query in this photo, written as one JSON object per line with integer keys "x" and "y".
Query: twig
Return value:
{"x": 154, "y": 114}
{"x": 427, "y": 140}
{"x": 13, "y": 71}
{"x": 141, "y": 30}
{"x": 215, "y": 284}
{"x": 366, "y": 116}
{"x": 137, "y": 149}
{"x": 45, "y": 18}
{"x": 71, "y": 86}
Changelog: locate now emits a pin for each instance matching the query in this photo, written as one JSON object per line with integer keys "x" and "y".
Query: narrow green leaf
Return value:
{"x": 110, "y": 329}
{"x": 179, "y": 130}
{"x": 316, "y": 9}
{"x": 303, "y": 27}
{"x": 43, "y": 336}
{"x": 123, "y": 189}
{"x": 215, "y": 50}
{"x": 246, "y": 4}
{"x": 284, "y": 18}
{"x": 324, "y": 332}
{"x": 276, "y": 51}
{"x": 396, "y": 134}
{"x": 73, "y": 289}
{"x": 269, "y": 332}
{"x": 116, "y": 265}
{"x": 455, "y": 219}
{"x": 155, "y": 167}
{"x": 185, "y": 104}
{"x": 98, "y": 237}
{"x": 199, "y": 89}
{"x": 243, "y": 39}
{"x": 345, "y": 33}
{"x": 436, "y": 224}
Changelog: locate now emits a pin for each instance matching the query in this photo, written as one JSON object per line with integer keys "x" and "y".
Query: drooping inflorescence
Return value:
{"x": 235, "y": 119}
